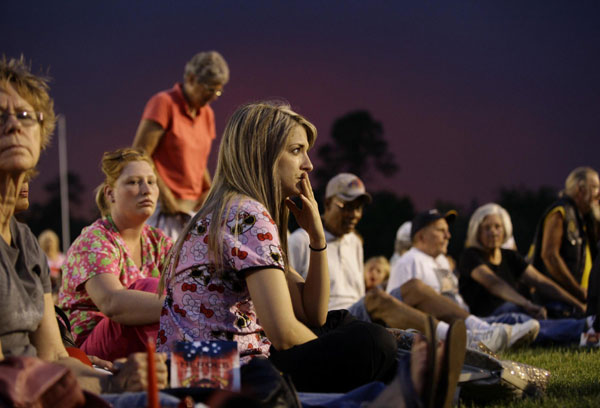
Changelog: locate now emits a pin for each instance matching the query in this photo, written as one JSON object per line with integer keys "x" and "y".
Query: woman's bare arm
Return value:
{"x": 498, "y": 287}
{"x": 124, "y": 306}
{"x": 131, "y": 377}
{"x": 271, "y": 297}
{"x": 315, "y": 290}
{"x": 46, "y": 339}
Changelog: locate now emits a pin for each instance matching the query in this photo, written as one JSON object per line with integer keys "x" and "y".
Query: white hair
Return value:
{"x": 576, "y": 178}
{"x": 478, "y": 217}
{"x": 403, "y": 241}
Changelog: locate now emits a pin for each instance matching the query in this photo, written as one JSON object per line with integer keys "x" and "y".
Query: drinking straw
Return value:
{"x": 152, "y": 382}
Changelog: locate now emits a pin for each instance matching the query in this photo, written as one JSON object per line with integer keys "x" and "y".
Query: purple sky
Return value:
{"x": 472, "y": 95}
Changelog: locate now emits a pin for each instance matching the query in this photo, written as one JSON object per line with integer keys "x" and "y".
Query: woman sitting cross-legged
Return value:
{"x": 505, "y": 278}
{"x": 110, "y": 277}
{"x": 228, "y": 278}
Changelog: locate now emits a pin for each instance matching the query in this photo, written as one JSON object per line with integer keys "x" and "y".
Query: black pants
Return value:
{"x": 593, "y": 299}
{"x": 347, "y": 354}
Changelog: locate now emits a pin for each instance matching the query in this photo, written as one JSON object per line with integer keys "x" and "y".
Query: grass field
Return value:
{"x": 574, "y": 377}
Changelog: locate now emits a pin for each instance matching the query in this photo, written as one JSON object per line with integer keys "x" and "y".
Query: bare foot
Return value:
{"x": 394, "y": 395}
{"x": 438, "y": 364}
{"x": 418, "y": 363}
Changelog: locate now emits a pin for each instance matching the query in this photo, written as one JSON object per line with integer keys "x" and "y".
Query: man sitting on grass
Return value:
{"x": 423, "y": 279}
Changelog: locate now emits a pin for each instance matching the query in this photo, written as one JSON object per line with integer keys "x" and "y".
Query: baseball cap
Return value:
{"x": 425, "y": 218}
{"x": 347, "y": 187}
{"x": 403, "y": 233}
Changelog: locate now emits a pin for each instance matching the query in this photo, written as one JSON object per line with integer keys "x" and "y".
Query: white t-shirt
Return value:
{"x": 345, "y": 261}
{"x": 435, "y": 272}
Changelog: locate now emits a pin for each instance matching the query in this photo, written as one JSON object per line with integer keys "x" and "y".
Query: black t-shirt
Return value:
{"x": 480, "y": 300}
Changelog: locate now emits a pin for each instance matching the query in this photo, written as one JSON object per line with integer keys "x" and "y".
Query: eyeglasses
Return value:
{"x": 213, "y": 90}
{"x": 26, "y": 118}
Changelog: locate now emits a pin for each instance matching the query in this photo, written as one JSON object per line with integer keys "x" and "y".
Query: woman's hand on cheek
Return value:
{"x": 308, "y": 216}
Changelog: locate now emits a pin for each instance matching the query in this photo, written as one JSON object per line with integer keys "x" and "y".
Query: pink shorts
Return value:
{"x": 110, "y": 340}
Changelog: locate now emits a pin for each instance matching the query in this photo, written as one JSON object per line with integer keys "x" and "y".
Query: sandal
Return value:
{"x": 451, "y": 364}
{"x": 430, "y": 383}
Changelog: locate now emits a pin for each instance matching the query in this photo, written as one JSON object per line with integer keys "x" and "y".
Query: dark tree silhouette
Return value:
{"x": 381, "y": 220}
{"x": 357, "y": 146}
{"x": 48, "y": 215}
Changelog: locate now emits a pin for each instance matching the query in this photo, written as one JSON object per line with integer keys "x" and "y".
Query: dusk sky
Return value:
{"x": 472, "y": 95}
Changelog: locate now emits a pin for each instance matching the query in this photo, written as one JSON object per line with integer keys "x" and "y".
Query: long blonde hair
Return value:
{"x": 252, "y": 143}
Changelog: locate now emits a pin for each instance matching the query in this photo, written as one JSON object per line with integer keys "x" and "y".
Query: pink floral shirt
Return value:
{"x": 101, "y": 249}
{"x": 204, "y": 305}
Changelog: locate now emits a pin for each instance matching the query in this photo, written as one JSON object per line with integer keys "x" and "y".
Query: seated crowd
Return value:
{"x": 306, "y": 300}
{"x": 28, "y": 323}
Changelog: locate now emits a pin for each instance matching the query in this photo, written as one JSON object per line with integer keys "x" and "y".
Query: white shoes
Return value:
{"x": 496, "y": 338}
{"x": 521, "y": 334}
{"x": 503, "y": 336}
{"x": 590, "y": 339}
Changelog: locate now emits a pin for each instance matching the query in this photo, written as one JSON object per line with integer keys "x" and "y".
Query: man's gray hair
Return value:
{"x": 576, "y": 177}
{"x": 208, "y": 67}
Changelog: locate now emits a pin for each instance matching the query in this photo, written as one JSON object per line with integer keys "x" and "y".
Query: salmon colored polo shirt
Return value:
{"x": 181, "y": 156}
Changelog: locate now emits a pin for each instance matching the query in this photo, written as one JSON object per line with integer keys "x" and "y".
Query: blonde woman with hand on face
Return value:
{"x": 229, "y": 278}
{"x": 111, "y": 273}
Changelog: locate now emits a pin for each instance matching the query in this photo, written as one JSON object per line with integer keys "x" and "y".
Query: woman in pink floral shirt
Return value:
{"x": 110, "y": 277}
{"x": 229, "y": 278}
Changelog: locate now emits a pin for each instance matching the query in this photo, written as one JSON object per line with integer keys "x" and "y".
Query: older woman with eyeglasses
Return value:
{"x": 28, "y": 324}
{"x": 111, "y": 273}
{"x": 27, "y": 121}
{"x": 177, "y": 129}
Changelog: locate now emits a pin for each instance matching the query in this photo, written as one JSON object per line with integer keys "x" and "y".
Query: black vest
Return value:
{"x": 574, "y": 239}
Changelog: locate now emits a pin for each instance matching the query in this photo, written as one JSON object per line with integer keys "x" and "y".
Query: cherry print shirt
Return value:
{"x": 202, "y": 304}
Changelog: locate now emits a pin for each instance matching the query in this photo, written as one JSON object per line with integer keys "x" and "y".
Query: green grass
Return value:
{"x": 574, "y": 377}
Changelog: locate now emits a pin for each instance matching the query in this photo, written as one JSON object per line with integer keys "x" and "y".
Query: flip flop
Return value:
{"x": 452, "y": 362}
{"x": 429, "y": 386}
